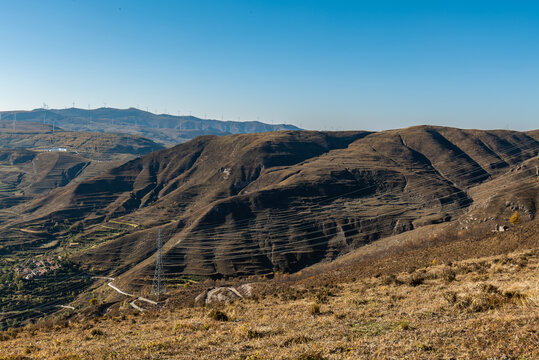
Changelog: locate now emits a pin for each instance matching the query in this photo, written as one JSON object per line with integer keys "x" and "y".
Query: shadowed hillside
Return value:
{"x": 244, "y": 204}
{"x": 37, "y": 158}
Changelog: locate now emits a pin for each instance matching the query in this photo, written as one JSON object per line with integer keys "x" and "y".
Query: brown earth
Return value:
{"x": 252, "y": 204}
{"x": 96, "y": 145}
{"x": 388, "y": 236}
{"x": 31, "y": 166}
{"x": 480, "y": 302}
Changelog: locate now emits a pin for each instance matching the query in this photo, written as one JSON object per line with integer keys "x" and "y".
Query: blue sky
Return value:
{"x": 317, "y": 64}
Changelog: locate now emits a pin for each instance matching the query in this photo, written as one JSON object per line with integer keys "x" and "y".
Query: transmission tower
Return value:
{"x": 158, "y": 285}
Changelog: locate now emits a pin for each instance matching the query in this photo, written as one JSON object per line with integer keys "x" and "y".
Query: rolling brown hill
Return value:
{"x": 37, "y": 158}
{"x": 38, "y": 136}
{"x": 254, "y": 203}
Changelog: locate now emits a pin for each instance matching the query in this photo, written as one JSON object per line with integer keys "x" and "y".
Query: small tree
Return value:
{"x": 20, "y": 285}
{"x": 515, "y": 218}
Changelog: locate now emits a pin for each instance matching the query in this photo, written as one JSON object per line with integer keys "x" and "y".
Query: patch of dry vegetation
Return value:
{"x": 484, "y": 308}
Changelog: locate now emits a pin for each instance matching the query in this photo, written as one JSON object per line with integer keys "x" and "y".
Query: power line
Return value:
{"x": 216, "y": 239}
{"x": 158, "y": 285}
{"x": 159, "y": 273}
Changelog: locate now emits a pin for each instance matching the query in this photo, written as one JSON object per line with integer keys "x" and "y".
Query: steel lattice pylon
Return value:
{"x": 158, "y": 284}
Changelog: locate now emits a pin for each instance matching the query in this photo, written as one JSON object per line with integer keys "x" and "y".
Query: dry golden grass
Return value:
{"x": 485, "y": 308}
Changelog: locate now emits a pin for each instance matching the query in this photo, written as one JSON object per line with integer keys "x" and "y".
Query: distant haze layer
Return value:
{"x": 162, "y": 128}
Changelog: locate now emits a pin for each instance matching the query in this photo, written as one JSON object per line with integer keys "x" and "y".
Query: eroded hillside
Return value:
{"x": 247, "y": 204}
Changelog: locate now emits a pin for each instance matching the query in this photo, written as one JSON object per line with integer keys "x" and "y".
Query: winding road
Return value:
{"x": 132, "y": 303}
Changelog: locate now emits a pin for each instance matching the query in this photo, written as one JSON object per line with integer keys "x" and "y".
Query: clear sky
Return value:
{"x": 317, "y": 64}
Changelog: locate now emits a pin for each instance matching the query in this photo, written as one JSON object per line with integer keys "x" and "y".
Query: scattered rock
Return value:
{"x": 224, "y": 294}
{"x": 501, "y": 228}
{"x": 246, "y": 290}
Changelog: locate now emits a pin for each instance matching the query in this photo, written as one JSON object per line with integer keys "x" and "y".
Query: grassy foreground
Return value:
{"x": 485, "y": 308}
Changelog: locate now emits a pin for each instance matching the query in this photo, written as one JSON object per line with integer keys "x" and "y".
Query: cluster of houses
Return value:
{"x": 37, "y": 267}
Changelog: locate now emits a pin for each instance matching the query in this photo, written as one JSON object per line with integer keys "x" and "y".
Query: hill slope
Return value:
{"x": 38, "y": 136}
{"x": 163, "y": 128}
{"x": 244, "y": 204}
{"x": 38, "y": 158}
{"x": 484, "y": 307}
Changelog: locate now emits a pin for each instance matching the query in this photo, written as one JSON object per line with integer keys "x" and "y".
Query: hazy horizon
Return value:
{"x": 330, "y": 128}
{"x": 321, "y": 65}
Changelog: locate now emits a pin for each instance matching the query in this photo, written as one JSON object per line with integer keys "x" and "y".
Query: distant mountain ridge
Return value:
{"x": 163, "y": 128}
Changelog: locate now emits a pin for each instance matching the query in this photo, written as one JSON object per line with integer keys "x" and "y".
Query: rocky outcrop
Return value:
{"x": 224, "y": 294}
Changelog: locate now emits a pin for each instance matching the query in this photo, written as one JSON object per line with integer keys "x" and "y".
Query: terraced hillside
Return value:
{"x": 473, "y": 298}
{"x": 97, "y": 145}
{"x": 250, "y": 204}
{"x": 38, "y": 158}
